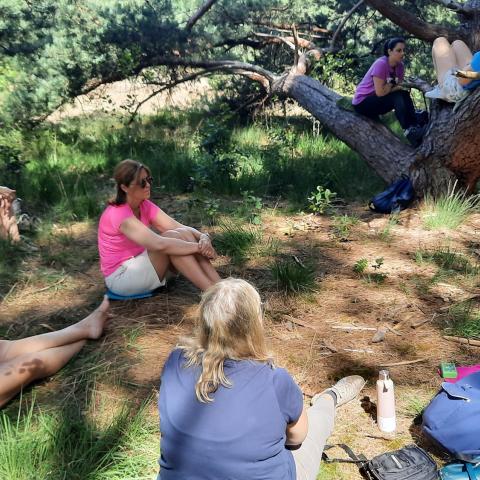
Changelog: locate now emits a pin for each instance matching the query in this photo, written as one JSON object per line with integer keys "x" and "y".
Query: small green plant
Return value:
{"x": 292, "y": 277}
{"x": 342, "y": 226}
{"x": 251, "y": 207}
{"x": 450, "y": 210}
{"x": 361, "y": 266}
{"x": 321, "y": 200}
{"x": 386, "y": 233}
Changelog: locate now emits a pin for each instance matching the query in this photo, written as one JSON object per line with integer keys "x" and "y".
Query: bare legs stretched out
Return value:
{"x": 23, "y": 361}
{"x": 195, "y": 268}
{"x": 447, "y": 56}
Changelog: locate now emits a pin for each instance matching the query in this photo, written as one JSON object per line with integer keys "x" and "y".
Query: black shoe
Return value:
{"x": 414, "y": 134}
{"x": 421, "y": 117}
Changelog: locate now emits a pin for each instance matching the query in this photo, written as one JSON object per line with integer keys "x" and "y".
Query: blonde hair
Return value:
{"x": 229, "y": 326}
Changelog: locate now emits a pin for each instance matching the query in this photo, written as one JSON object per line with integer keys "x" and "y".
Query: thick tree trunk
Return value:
{"x": 449, "y": 151}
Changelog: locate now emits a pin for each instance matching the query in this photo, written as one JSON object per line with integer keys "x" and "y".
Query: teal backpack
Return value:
{"x": 460, "y": 471}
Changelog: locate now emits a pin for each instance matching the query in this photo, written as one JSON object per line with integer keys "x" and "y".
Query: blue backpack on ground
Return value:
{"x": 453, "y": 419}
{"x": 396, "y": 197}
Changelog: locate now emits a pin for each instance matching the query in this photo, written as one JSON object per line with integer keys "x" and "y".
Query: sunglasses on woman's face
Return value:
{"x": 143, "y": 182}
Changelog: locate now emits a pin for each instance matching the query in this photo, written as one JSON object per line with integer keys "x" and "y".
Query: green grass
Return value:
{"x": 293, "y": 278}
{"x": 71, "y": 443}
{"x": 237, "y": 241}
{"x": 450, "y": 210}
{"x": 11, "y": 255}
{"x": 449, "y": 260}
{"x": 463, "y": 320}
{"x": 342, "y": 226}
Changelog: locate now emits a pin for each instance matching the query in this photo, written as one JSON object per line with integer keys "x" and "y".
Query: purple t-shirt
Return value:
{"x": 240, "y": 435}
{"x": 380, "y": 68}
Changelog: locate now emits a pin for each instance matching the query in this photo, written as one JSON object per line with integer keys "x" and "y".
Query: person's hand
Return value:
{"x": 206, "y": 248}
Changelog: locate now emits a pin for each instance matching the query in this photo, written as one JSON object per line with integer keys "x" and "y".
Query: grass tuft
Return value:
{"x": 450, "y": 210}
{"x": 448, "y": 260}
{"x": 463, "y": 320}
{"x": 293, "y": 278}
{"x": 237, "y": 241}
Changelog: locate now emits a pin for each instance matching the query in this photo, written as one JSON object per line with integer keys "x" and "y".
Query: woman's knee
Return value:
{"x": 441, "y": 42}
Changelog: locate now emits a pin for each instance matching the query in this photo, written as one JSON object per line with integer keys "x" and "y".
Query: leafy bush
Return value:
{"x": 321, "y": 200}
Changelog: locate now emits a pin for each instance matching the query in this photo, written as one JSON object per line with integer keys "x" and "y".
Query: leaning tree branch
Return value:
{"x": 199, "y": 14}
{"x": 409, "y": 22}
{"x": 343, "y": 22}
{"x": 457, "y": 7}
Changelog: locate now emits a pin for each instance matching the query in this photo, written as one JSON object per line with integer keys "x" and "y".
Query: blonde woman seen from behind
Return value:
{"x": 226, "y": 411}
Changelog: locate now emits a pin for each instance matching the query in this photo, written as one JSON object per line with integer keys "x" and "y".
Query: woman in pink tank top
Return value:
{"x": 139, "y": 243}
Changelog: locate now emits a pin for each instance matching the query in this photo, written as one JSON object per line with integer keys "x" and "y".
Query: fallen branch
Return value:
{"x": 406, "y": 362}
{"x": 423, "y": 322}
{"x": 357, "y": 350}
{"x": 391, "y": 329}
{"x": 302, "y": 323}
{"x": 353, "y": 327}
{"x": 49, "y": 287}
{"x": 465, "y": 341}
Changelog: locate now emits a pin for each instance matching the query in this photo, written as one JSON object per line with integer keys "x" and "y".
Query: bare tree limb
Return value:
{"x": 343, "y": 22}
{"x": 409, "y": 22}
{"x": 295, "y": 40}
{"x": 289, "y": 41}
{"x": 199, "y": 14}
{"x": 457, "y": 6}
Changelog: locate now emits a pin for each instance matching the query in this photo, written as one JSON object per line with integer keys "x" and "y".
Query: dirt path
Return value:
{"x": 303, "y": 330}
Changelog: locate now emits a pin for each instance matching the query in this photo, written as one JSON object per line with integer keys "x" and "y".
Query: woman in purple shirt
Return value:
{"x": 380, "y": 91}
{"x": 227, "y": 413}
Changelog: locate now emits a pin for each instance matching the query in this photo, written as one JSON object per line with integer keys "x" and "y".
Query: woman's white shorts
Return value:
{"x": 135, "y": 275}
{"x": 451, "y": 91}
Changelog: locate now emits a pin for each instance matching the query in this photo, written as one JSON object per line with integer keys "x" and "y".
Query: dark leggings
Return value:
{"x": 400, "y": 101}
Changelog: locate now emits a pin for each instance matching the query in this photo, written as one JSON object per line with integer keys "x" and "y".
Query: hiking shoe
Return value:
{"x": 414, "y": 134}
{"x": 346, "y": 389}
{"x": 421, "y": 117}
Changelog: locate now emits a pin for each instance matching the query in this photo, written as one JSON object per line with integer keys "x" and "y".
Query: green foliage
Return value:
{"x": 251, "y": 207}
{"x": 321, "y": 200}
{"x": 376, "y": 276}
{"x": 292, "y": 277}
{"x": 450, "y": 210}
{"x": 11, "y": 255}
{"x": 360, "y": 265}
{"x": 342, "y": 226}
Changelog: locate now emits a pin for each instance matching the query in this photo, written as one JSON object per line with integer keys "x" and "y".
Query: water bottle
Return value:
{"x": 385, "y": 403}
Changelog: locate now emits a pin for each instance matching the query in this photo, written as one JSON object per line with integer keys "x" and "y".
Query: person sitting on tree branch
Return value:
{"x": 8, "y": 222}
{"x": 381, "y": 91}
{"x": 447, "y": 60}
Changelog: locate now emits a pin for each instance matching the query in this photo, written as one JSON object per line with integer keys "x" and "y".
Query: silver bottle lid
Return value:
{"x": 383, "y": 375}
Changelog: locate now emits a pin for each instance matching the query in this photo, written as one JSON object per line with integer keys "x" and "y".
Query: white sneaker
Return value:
{"x": 346, "y": 389}
{"x": 436, "y": 92}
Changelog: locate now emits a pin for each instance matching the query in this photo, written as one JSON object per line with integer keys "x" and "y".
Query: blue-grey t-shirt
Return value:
{"x": 238, "y": 436}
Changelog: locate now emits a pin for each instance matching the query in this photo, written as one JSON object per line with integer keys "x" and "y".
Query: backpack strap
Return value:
{"x": 359, "y": 459}
{"x": 471, "y": 472}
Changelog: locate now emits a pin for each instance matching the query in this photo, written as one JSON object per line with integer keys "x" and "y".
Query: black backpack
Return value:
{"x": 396, "y": 197}
{"x": 408, "y": 463}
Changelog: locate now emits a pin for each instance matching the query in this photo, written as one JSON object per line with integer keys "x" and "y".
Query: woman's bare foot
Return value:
{"x": 94, "y": 323}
